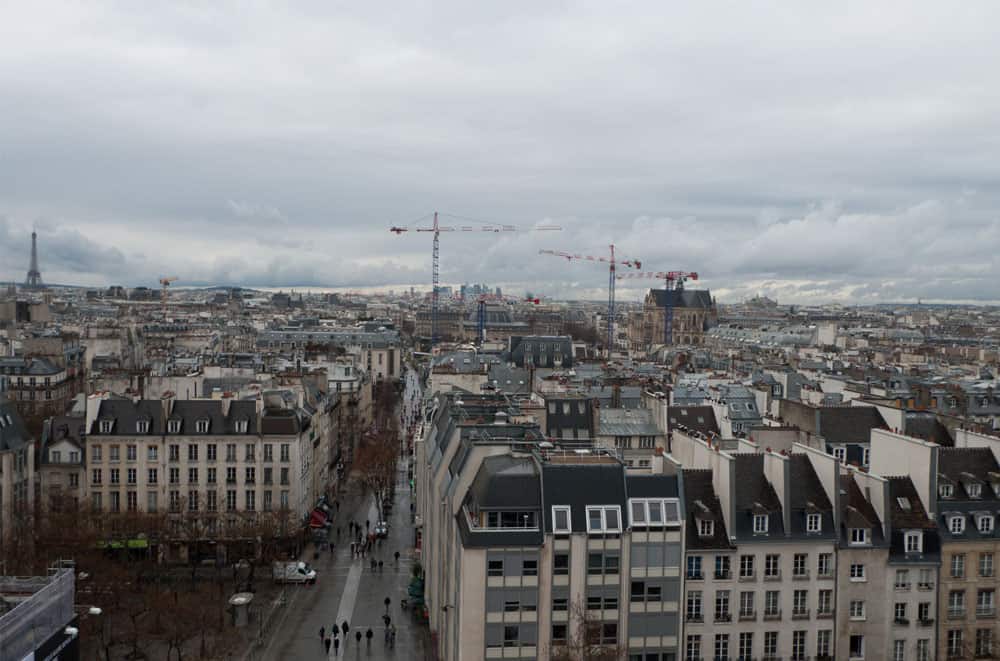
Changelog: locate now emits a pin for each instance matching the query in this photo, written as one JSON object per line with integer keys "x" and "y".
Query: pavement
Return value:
{"x": 347, "y": 589}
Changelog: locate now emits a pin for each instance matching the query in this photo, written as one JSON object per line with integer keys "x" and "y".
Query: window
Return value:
{"x": 692, "y": 648}
{"x": 175, "y": 453}
{"x": 175, "y": 475}
{"x": 856, "y": 646}
{"x": 131, "y": 475}
{"x": 772, "y": 566}
{"x": 130, "y": 452}
{"x": 106, "y": 426}
{"x": 151, "y": 453}
{"x": 859, "y": 535}
{"x": 173, "y": 426}
{"x": 899, "y": 612}
{"x": 899, "y": 650}
{"x": 823, "y": 642}
{"x": 824, "y": 564}
{"x": 694, "y": 567}
{"x": 284, "y": 451}
{"x": 840, "y": 452}
{"x": 913, "y": 541}
{"x": 800, "y": 603}
{"x": 946, "y": 491}
{"x": 745, "y": 649}
{"x": 132, "y": 501}
{"x": 494, "y": 568}
{"x": 201, "y": 426}
{"x": 249, "y": 452}
{"x": 230, "y": 452}
{"x": 654, "y": 512}
{"x": 772, "y": 603}
{"x": 115, "y": 476}
{"x": 559, "y": 634}
{"x": 74, "y": 479}
{"x": 175, "y": 501}
{"x": 230, "y": 501}
{"x": 747, "y": 604}
{"x": 858, "y": 572}
{"x": 975, "y": 490}
{"x": 211, "y": 475}
{"x": 151, "y": 501}
{"x": 984, "y": 642}
{"x": 956, "y": 603}
{"x": 814, "y": 523}
{"x": 722, "y": 646}
{"x": 722, "y": 571}
{"x": 924, "y": 611}
{"x": 560, "y": 564}
{"x": 693, "y": 611}
{"x": 722, "y": 606}
{"x": 924, "y": 649}
{"x": 798, "y": 645}
{"x": 212, "y": 451}
{"x": 511, "y": 635}
{"x": 958, "y": 565}
{"x": 95, "y": 453}
{"x": 95, "y": 476}
{"x": 771, "y": 643}
{"x": 116, "y": 505}
{"x": 604, "y": 519}
{"x": 866, "y": 454}
{"x": 268, "y": 452}
{"x": 857, "y": 609}
{"x": 211, "y": 501}
{"x": 824, "y": 604}
{"x": 985, "y": 604}
{"x": 530, "y": 567}
{"x": 759, "y": 524}
{"x": 902, "y": 581}
{"x": 800, "y": 567}
{"x": 955, "y": 643}
{"x": 956, "y": 525}
{"x": 984, "y": 522}
{"x": 560, "y": 519}
{"x": 926, "y": 579}
{"x": 746, "y": 566}
{"x": 114, "y": 453}
{"x": 560, "y": 604}
{"x": 242, "y": 426}
{"x": 986, "y": 564}
{"x": 251, "y": 500}
{"x": 231, "y": 475}
{"x": 250, "y": 475}
{"x": 284, "y": 476}
{"x": 706, "y": 528}
{"x": 192, "y": 501}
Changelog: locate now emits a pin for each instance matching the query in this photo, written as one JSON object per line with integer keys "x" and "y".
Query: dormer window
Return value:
{"x": 560, "y": 519}
{"x": 840, "y": 453}
{"x": 174, "y": 426}
{"x": 858, "y": 536}
{"x": 760, "y": 524}
{"x": 654, "y": 512}
{"x": 241, "y": 426}
{"x": 814, "y": 523}
{"x": 946, "y": 491}
{"x": 604, "y": 519}
{"x": 201, "y": 426}
{"x": 706, "y": 528}
{"x": 956, "y": 524}
{"x": 142, "y": 427}
{"x": 984, "y": 522}
{"x": 106, "y": 426}
{"x": 913, "y": 541}
{"x": 975, "y": 490}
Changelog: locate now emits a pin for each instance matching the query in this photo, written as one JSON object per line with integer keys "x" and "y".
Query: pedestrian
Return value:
{"x": 380, "y": 566}
{"x": 392, "y": 635}
{"x": 373, "y": 564}
{"x": 368, "y": 524}
{"x": 332, "y": 548}
{"x": 338, "y": 533}
{"x": 336, "y": 646}
{"x": 396, "y": 555}
{"x": 345, "y": 628}
{"x": 326, "y": 642}
{"x": 322, "y": 633}
{"x": 386, "y": 620}
{"x": 368, "y": 636}
{"x": 357, "y": 636}
{"x": 352, "y": 549}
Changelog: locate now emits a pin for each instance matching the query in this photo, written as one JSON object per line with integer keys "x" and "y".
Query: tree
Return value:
{"x": 586, "y": 641}
{"x": 376, "y": 465}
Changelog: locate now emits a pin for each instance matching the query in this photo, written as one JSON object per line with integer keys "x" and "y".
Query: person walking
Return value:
{"x": 336, "y": 646}
{"x": 322, "y": 633}
{"x": 357, "y": 636}
{"x": 345, "y": 629}
{"x": 326, "y": 642}
{"x": 396, "y": 556}
{"x": 368, "y": 636}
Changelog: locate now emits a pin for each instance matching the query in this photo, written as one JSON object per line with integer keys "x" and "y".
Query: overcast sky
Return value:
{"x": 809, "y": 151}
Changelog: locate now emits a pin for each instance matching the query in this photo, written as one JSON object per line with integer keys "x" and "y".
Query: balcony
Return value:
{"x": 925, "y": 587}
{"x": 723, "y": 617}
{"x": 901, "y": 587}
{"x": 824, "y": 614}
{"x": 723, "y": 575}
{"x": 772, "y": 615}
{"x": 695, "y": 576}
{"x": 774, "y": 576}
{"x": 928, "y": 622}
{"x": 696, "y": 618}
{"x": 747, "y": 578}
{"x": 901, "y": 621}
{"x": 800, "y": 614}
{"x": 800, "y": 575}
{"x": 986, "y": 611}
{"x": 748, "y": 616}
{"x": 956, "y": 613}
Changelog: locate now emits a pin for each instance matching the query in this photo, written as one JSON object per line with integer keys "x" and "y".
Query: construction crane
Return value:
{"x": 672, "y": 281}
{"x": 165, "y": 282}
{"x": 481, "y": 311}
{"x": 612, "y": 262}
{"x": 436, "y": 228}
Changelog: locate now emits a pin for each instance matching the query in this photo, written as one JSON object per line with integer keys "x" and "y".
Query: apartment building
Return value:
{"x": 632, "y": 433}
{"x": 61, "y": 467}
{"x": 968, "y": 503}
{"x": 17, "y": 470}
{"x": 224, "y": 465}
{"x": 765, "y": 587}
{"x": 530, "y": 550}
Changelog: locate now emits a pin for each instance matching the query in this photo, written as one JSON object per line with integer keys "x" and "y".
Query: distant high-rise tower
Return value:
{"x": 34, "y": 280}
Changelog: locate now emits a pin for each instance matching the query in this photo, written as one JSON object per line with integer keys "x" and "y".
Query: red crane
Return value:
{"x": 611, "y": 261}
{"x": 436, "y": 228}
{"x": 672, "y": 280}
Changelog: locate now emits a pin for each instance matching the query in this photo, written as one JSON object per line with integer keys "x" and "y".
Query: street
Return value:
{"x": 347, "y": 588}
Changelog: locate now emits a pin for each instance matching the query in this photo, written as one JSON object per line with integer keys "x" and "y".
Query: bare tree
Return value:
{"x": 587, "y": 638}
{"x": 376, "y": 466}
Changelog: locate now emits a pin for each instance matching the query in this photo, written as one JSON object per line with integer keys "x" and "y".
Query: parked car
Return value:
{"x": 382, "y": 529}
{"x": 292, "y": 571}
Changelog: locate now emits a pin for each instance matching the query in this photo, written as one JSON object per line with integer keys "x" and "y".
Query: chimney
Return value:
{"x": 227, "y": 399}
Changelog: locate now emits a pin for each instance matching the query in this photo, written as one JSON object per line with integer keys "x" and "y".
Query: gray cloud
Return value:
{"x": 807, "y": 153}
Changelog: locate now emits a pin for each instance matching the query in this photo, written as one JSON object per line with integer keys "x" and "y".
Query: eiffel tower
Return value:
{"x": 34, "y": 279}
